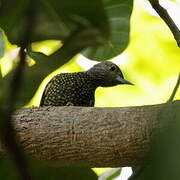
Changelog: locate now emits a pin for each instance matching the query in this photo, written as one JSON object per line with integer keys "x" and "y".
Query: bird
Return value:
{"x": 78, "y": 89}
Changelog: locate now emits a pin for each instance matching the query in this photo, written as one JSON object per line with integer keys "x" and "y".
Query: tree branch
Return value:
{"x": 98, "y": 137}
{"x": 167, "y": 19}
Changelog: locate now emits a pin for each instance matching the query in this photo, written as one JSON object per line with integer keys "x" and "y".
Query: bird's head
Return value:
{"x": 107, "y": 74}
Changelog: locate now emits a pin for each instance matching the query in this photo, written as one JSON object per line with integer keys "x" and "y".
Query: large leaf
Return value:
{"x": 119, "y": 13}
{"x": 78, "y": 24}
{"x": 163, "y": 161}
{"x": 55, "y": 19}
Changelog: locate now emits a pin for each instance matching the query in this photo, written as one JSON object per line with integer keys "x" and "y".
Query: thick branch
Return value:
{"x": 97, "y": 137}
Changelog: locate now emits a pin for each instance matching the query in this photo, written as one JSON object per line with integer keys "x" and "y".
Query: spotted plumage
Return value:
{"x": 78, "y": 89}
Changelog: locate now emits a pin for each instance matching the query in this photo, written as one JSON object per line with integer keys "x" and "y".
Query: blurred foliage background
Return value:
{"x": 150, "y": 58}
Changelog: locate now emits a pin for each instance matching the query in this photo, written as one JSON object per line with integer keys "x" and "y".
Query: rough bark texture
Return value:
{"x": 98, "y": 137}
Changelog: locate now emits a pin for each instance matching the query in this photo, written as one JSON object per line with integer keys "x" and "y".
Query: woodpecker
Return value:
{"x": 78, "y": 89}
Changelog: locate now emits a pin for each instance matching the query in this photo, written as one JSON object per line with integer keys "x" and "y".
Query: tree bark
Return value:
{"x": 98, "y": 137}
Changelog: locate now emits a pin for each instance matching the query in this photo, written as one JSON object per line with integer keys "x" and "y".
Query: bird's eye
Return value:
{"x": 112, "y": 68}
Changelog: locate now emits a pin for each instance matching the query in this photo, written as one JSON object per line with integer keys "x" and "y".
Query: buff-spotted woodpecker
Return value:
{"x": 78, "y": 89}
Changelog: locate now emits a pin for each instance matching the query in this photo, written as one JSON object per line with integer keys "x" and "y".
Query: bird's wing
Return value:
{"x": 56, "y": 83}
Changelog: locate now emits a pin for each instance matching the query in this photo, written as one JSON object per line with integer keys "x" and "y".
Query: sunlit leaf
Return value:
{"x": 46, "y": 47}
{"x": 110, "y": 174}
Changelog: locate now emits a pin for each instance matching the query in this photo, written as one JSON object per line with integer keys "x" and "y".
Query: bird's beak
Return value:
{"x": 123, "y": 81}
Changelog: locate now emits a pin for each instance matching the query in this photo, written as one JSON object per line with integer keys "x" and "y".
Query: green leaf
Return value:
{"x": 2, "y": 46}
{"x": 79, "y": 24}
{"x": 58, "y": 19}
{"x": 119, "y": 13}
{"x": 13, "y": 19}
{"x": 45, "y": 171}
{"x": 163, "y": 162}
{"x": 55, "y": 19}
{"x": 7, "y": 170}
{"x": 110, "y": 174}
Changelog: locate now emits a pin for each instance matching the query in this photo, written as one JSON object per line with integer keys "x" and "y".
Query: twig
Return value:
{"x": 167, "y": 19}
{"x": 8, "y": 134}
{"x": 175, "y": 90}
